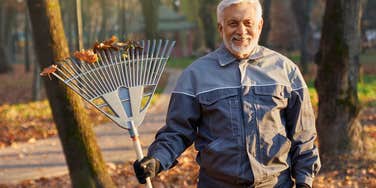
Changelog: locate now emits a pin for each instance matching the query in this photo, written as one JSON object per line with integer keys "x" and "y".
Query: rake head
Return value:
{"x": 121, "y": 82}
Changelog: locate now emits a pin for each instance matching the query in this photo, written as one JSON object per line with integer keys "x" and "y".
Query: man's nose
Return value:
{"x": 241, "y": 29}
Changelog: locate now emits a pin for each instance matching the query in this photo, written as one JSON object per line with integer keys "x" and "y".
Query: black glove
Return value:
{"x": 302, "y": 185}
{"x": 147, "y": 167}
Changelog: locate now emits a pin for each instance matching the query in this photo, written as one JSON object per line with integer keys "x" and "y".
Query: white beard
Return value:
{"x": 243, "y": 50}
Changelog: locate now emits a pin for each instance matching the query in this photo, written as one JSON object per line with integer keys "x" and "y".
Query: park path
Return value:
{"x": 44, "y": 158}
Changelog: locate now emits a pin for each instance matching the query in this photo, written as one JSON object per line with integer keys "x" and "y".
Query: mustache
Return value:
{"x": 240, "y": 37}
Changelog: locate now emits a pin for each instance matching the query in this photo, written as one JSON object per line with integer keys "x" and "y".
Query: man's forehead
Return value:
{"x": 241, "y": 11}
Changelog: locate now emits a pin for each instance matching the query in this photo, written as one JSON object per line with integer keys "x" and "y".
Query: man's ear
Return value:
{"x": 260, "y": 24}
{"x": 220, "y": 28}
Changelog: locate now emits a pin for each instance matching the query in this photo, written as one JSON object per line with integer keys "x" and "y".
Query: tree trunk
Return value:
{"x": 302, "y": 11}
{"x": 103, "y": 35}
{"x": 85, "y": 162}
{"x": 190, "y": 9}
{"x": 150, "y": 12}
{"x": 337, "y": 76}
{"x": 27, "y": 43}
{"x": 122, "y": 19}
{"x": 267, "y": 22}
{"x": 6, "y": 18}
{"x": 36, "y": 87}
{"x": 207, "y": 14}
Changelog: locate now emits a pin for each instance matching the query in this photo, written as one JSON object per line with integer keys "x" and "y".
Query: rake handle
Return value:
{"x": 137, "y": 146}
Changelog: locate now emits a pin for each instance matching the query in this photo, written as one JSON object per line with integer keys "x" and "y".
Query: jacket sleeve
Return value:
{"x": 302, "y": 133}
{"x": 179, "y": 131}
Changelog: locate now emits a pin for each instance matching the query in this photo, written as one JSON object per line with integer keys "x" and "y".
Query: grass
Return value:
{"x": 180, "y": 63}
{"x": 369, "y": 57}
{"x": 366, "y": 91}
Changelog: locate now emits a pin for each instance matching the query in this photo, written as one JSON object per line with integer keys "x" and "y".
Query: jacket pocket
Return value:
{"x": 272, "y": 93}
{"x": 221, "y": 113}
{"x": 214, "y": 96}
{"x": 270, "y": 102}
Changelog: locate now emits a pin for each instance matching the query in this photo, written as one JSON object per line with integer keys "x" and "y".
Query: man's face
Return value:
{"x": 240, "y": 29}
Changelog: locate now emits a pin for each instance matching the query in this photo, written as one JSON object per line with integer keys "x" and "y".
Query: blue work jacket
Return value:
{"x": 251, "y": 121}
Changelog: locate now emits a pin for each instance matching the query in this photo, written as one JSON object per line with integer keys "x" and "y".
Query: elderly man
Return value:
{"x": 245, "y": 107}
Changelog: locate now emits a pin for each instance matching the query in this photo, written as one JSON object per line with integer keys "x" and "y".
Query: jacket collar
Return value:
{"x": 225, "y": 57}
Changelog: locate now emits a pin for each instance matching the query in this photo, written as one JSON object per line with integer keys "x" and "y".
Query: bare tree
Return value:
{"x": 105, "y": 18}
{"x": 337, "y": 77}
{"x": 85, "y": 162}
{"x": 266, "y": 4}
{"x": 302, "y": 11}
{"x": 207, "y": 12}
{"x": 27, "y": 41}
{"x": 7, "y": 16}
{"x": 150, "y": 12}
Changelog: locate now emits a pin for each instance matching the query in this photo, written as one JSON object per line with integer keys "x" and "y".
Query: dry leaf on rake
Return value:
{"x": 110, "y": 41}
{"x": 49, "y": 70}
{"x": 107, "y": 44}
{"x": 130, "y": 44}
{"x": 87, "y": 56}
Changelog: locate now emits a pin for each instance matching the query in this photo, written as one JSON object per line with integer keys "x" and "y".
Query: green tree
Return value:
{"x": 85, "y": 162}
{"x": 338, "y": 69}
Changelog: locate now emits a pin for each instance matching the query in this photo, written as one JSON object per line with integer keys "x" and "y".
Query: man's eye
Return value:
{"x": 233, "y": 24}
{"x": 249, "y": 24}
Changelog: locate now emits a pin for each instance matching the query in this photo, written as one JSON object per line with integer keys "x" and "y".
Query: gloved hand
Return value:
{"x": 147, "y": 167}
{"x": 302, "y": 185}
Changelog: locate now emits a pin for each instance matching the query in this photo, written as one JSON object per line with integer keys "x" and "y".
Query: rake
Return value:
{"x": 120, "y": 84}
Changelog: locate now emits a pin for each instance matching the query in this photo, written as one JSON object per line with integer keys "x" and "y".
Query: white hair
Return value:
{"x": 226, "y": 3}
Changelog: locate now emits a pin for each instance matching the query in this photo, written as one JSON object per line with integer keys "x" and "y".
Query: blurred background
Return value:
{"x": 291, "y": 27}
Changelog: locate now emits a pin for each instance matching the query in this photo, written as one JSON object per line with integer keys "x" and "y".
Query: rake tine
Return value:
{"x": 75, "y": 81}
{"x": 155, "y": 62}
{"x": 120, "y": 69}
{"x": 83, "y": 76}
{"x": 112, "y": 67}
{"x": 133, "y": 68}
{"x": 161, "y": 62}
{"x": 138, "y": 66}
{"x": 142, "y": 63}
{"x": 151, "y": 61}
{"x": 96, "y": 76}
{"x": 165, "y": 58}
{"x": 108, "y": 70}
{"x": 71, "y": 77}
{"x": 128, "y": 69}
{"x": 72, "y": 84}
{"x": 100, "y": 88}
{"x": 105, "y": 72}
{"x": 146, "y": 62}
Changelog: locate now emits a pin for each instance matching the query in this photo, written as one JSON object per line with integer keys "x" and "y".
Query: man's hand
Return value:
{"x": 147, "y": 167}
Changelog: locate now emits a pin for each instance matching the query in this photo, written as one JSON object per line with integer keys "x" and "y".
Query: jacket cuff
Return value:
{"x": 304, "y": 180}
{"x": 164, "y": 162}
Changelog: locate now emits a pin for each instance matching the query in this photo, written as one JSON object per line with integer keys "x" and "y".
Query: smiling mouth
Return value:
{"x": 237, "y": 40}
